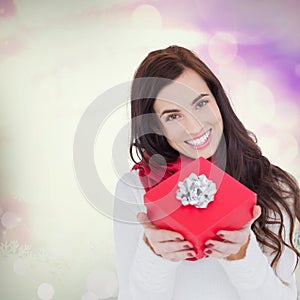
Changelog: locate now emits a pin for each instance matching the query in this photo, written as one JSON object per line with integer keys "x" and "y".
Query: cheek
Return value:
{"x": 219, "y": 120}
{"x": 214, "y": 115}
{"x": 173, "y": 132}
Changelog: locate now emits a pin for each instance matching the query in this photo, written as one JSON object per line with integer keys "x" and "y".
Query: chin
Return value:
{"x": 196, "y": 156}
{"x": 193, "y": 156}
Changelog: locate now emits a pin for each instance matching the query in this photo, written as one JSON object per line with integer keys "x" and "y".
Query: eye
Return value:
{"x": 201, "y": 103}
{"x": 172, "y": 117}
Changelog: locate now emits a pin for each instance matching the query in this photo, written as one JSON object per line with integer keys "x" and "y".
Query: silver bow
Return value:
{"x": 196, "y": 190}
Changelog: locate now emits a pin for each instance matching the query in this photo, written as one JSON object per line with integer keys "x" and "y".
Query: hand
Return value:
{"x": 165, "y": 243}
{"x": 234, "y": 243}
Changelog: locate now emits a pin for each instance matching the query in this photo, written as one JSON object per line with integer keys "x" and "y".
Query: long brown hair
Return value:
{"x": 277, "y": 191}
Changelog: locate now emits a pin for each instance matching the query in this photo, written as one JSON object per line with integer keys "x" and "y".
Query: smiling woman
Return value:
{"x": 180, "y": 112}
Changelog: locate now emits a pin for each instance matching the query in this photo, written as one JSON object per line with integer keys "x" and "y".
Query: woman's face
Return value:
{"x": 189, "y": 115}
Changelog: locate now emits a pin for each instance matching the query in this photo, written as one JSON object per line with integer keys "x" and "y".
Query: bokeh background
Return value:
{"x": 57, "y": 57}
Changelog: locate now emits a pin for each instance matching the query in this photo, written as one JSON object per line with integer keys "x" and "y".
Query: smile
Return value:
{"x": 200, "y": 140}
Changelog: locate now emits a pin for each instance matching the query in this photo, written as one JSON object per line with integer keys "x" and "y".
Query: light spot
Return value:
{"x": 9, "y": 220}
{"x": 281, "y": 146}
{"x": 234, "y": 73}
{"x": 260, "y": 100}
{"x": 7, "y": 8}
{"x": 222, "y": 48}
{"x": 45, "y": 291}
{"x": 102, "y": 283}
{"x": 255, "y": 104}
{"x": 287, "y": 147}
{"x": 287, "y": 115}
{"x": 146, "y": 16}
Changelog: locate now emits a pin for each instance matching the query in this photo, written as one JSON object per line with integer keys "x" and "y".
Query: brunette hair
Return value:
{"x": 277, "y": 191}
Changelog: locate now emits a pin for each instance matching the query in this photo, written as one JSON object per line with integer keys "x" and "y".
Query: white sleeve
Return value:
{"x": 141, "y": 273}
{"x": 254, "y": 278}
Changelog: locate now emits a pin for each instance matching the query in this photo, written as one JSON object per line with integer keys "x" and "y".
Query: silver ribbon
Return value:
{"x": 196, "y": 190}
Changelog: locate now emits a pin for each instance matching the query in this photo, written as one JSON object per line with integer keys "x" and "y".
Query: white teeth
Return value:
{"x": 199, "y": 141}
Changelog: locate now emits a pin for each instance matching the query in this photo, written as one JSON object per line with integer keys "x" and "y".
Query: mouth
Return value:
{"x": 201, "y": 140}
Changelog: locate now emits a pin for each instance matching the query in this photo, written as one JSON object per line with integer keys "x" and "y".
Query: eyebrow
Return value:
{"x": 197, "y": 98}
{"x": 168, "y": 111}
{"x": 177, "y": 110}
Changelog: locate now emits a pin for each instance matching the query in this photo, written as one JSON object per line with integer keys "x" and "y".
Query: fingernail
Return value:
{"x": 209, "y": 245}
{"x": 221, "y": 235}
{"x": 208, "y": 251}
{"x": 187, "y": 247}
{"x": 179, "y": 239}
{"x": 190, "y": 254}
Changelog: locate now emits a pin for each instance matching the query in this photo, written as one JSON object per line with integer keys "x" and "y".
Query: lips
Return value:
{"x": 199, "y": 140}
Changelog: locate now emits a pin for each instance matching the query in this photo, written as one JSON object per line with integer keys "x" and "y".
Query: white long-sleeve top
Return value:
{"x": 143, "y": 275}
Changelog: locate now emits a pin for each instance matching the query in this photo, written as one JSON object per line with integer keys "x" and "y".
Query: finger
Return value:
{"x": 167, "y": 247}
{"x": 144, "y": 220}
{"x": 154, "y": 233}
{"x": 179, "y": 255}
{"x": 256, "y": 212}
{"x": 223, "y": 247}
{"x": 214, "y": 253}
{"x": 162, "y": 235}
{"x": 235, "y": 236}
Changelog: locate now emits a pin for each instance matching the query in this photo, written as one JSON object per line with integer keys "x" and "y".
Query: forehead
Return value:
{"x": 181, "y": 91}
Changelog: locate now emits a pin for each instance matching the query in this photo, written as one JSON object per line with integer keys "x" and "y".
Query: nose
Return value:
{"x": 193, "y": 126}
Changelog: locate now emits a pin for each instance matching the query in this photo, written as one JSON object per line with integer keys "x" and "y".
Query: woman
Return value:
{"x": 180, "y": 112}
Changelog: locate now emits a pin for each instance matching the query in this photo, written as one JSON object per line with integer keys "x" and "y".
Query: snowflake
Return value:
{"x": 297, "y": 240}
{"x": 24, "y": 251}
{"x": 8, "y": 248}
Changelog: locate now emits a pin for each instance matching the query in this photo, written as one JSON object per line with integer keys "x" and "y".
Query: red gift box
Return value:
{"x": 230, "y": 210}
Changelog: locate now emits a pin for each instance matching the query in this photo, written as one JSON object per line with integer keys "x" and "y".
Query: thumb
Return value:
{"x": 144, "y": 220}
{"x": 256, "y": 212}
